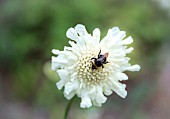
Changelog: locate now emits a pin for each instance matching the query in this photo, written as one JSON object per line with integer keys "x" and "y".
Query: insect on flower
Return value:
{"x": 100, "y": 60}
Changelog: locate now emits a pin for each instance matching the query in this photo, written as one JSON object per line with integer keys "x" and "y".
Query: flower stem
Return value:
{"x": 68, "y": 107}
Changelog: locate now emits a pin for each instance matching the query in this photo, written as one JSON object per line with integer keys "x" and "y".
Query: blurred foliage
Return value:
{"x": 31, "y": 29}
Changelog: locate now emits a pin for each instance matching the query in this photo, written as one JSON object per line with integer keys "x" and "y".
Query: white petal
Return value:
{"x": 120, "y": 90}
{"x": 114, "y": 30}
{"x": 73, "y": 44}
{"x": 106, "y": 89}
{"x": 122, "y": 76}
{"x": 60, "y": 84}
{"x": 70, "y": 95}
{"x": 96, "y": 35}
{"x": 63, "y": 75}
{"x": 111, "y": 32}
{"x": 129, "y": 50}
{"x": 68, "y": 48}
{"x": 96, "y": 103}
{"x": 72, "y": 34}
{"x": 76, "y": 48}
{"x": 54, "y": 65}
{"x": 85, "y": 102}
{"x": 92, "y": 91}
{"x": 70, "y": 86}
{"x": 100, "y": 98}
{"x": 133, "y": 68}
{"x": 54, "y": 51}
{"x": 73, "y": 76}
{"x": 81, "y": 30}
{"x": 63, "y": 78}
{"x": 113, "y": 39}
{"x": 127, "y": 41}
{"x": 59, "y": 60}
{"x": 65, "y": 54}
{"x": 120, "y": 35}
{"x": 116, "y": 34}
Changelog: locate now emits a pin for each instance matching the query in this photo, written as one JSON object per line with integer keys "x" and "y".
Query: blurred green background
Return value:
{"x": 30, "y": 29}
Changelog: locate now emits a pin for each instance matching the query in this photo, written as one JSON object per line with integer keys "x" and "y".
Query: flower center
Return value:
{"x": 85, "y": 71}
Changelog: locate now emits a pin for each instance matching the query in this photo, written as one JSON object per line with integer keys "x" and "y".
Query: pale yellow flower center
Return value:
{"x": 89, "y": 75}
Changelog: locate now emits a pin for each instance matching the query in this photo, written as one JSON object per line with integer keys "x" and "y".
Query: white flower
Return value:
{"x": 74, "y": 65}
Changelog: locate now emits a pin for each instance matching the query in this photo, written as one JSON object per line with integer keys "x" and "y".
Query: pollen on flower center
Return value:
{"x": 85, "y": 71}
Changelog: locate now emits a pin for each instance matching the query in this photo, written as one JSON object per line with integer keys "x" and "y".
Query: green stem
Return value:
{"x": 68, "y": 107}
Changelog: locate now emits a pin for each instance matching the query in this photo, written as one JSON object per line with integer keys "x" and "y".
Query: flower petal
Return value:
{"x": 111, "y": 32}
{"x": 100, "y": 98}
{"x": 120, "y": 90}
{"x": 72, "y": 34}
{"x": 70, "y": 95}
{"x": 106, "y": 89}
{"x": 96, "y": 35}
{"x": 129, "y": 50}
{"x": 63, "y": 76}
{"x": 81, "y": 30}
{"x": 71, "y": 86}
{"x": 60, "y": 84}
{"x": 127, "y": 41}
{"x": 96, "y": 103}
{"x": 121, "y": 76}
{"x": 85, "y": 102}
{"x": 133, "y": 68}
{"x": 54, "y": 65}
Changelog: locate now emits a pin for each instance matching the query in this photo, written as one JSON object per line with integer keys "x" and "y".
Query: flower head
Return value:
{"x": 78, "y": 69}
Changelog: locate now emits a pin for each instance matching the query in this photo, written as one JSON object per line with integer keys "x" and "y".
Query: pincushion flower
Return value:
{"x": 75, "y": 65}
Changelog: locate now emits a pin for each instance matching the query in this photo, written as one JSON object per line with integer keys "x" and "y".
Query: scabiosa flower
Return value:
{"x": 79, "y": 75}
